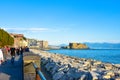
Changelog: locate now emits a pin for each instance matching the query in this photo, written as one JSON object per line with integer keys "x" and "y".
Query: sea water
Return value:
{"x": 104, "y": 55}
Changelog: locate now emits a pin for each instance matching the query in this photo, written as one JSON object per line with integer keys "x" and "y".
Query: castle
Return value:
{"x": 77, "y": 46}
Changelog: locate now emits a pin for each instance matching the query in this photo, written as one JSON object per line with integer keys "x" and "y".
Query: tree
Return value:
{"x": 5, "y": 38}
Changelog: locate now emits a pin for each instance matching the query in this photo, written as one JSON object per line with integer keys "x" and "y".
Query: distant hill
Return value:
{"x": 103, "y": 45}
{"x": 54, "y": 47}
{"x": 61, "y": 45}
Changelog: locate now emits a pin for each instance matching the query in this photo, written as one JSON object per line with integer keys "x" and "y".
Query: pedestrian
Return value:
{"x": 1, "y": 56}
{"x": 21, "y": 50}
{"x": 5, "y": 53}
{"x": 8, "y": 48}
{"x": 26, "y": 49}
{"x": 17, "y": 51}
{"x": 12, "y": 52}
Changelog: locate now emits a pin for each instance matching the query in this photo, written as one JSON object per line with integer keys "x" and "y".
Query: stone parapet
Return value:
{"x": 28, "y": 68}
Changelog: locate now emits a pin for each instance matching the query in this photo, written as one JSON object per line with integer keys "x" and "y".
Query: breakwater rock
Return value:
{"x": 63, "y": 67}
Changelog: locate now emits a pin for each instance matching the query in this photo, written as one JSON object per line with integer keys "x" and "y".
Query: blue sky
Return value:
{"x": 62, "y": 21}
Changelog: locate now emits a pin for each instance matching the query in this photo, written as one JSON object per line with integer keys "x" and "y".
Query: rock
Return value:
{"x": 86, "y": 76}
{"x": 65, "y": 77}
{"x": 74, "y": 73}
{"x": 106, "y": 77}
{"x": 55, "y": 69}
{"x": 76, "y": 65}
{"x": 111, "y": 73}
{"x": 93, "y": 68}
{"x": 95, "y": 75}
{"x": 64, "y": 67}
{"x": 117, "y": 65}
{"x": 58, "y": 75}
{"x": 83, "y": 77}
{"x": 49, "y": 66}
{"x": 44, "y": 61}
{"x": 89, "y": 76}
{"x": 108, "y": 66}
{"x": 97, "y": 63}
{"x": 86, "y": 63}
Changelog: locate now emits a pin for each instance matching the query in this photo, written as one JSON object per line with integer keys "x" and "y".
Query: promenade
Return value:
{"x": 10, "y": 71}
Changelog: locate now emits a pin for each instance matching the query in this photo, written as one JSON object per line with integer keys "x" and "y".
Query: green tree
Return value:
{"x": 5, "y": 38}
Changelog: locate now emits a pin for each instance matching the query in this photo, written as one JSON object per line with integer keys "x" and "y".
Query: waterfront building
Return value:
{"x": 42, "y": 44}
{"x": 19, "y": 40}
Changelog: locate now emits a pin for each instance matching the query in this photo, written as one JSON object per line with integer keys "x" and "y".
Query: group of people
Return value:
{"x": 12, "y": 51}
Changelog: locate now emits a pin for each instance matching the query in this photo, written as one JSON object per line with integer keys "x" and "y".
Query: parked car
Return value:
{"x": 1, "y": 56}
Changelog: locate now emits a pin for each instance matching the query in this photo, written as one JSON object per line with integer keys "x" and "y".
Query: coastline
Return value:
{"x": 107, "y": 56}
{"x": 64, "y": 67}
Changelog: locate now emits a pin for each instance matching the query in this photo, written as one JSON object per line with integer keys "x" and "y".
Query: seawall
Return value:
{"x": 63, "y": 67}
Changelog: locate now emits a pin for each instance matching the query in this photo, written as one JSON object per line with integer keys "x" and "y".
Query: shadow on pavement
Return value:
{"x": 9, "y": 71}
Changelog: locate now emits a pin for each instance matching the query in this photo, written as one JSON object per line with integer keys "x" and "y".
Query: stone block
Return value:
{"x": 28, "y": 68}
{"x": 108, "y": 66}
{"x": 107, "y": 76}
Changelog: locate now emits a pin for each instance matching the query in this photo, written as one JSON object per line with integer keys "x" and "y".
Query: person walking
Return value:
{"x": 18, "y": 51}
{"x": 12, "y": 52}
{"x": 5, "y": 53}
{"x": 21, "y": 50}
{"x": 1, "y": 56}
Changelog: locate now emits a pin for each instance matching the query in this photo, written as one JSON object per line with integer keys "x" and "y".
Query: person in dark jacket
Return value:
{"x": 12, "y": 52}
{"x": 18, "y": 51}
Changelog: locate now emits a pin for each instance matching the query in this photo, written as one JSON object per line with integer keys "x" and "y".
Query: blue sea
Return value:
{"x": 104, "y": 55}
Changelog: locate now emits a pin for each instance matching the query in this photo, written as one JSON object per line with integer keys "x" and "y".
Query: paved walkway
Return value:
{"x": 10, "y": 71}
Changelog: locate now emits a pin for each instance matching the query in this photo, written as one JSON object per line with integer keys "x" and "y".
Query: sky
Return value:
{"x": 62, "y": 21}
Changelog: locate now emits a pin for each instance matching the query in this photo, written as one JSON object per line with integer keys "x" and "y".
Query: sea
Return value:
{"x": 104, "y": 55}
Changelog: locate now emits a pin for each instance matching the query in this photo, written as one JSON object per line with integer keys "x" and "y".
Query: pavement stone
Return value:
{"x": 9, "y": 71}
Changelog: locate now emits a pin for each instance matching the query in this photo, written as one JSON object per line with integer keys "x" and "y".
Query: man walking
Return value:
{"x": 12, "y": 52}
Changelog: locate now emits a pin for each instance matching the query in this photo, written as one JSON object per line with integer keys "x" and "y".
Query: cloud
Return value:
{"x": 26, "y": 29}
{"x": 33, "y": 30}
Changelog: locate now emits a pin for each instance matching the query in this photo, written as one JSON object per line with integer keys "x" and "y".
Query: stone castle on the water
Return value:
{"x": 76, "y": 46}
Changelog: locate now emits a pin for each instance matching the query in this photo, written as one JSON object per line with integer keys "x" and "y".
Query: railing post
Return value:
{"x": 37, "y": 75}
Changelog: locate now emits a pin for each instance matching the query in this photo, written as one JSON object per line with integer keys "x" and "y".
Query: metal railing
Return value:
{"x": 39, "y": 75}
